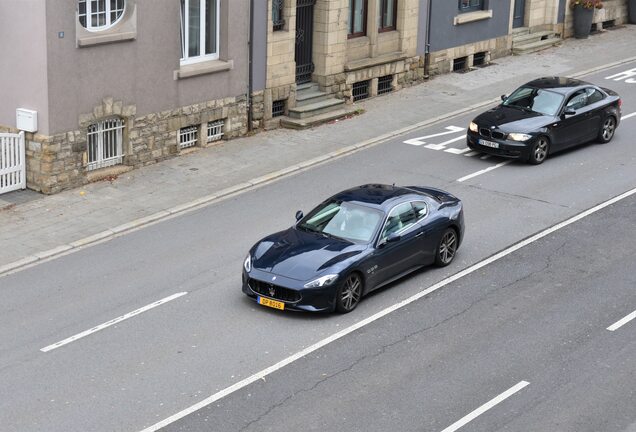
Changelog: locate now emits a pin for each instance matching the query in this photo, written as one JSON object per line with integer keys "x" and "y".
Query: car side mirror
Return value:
{"x": 299, "y": 215}
{"x": 393, "y": 237}
{"x": 569, "y": 112}
{"x": 504, "y": 97}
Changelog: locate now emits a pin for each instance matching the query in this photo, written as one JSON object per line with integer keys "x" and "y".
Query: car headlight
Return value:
{"x": 473, "y": 127}
{"x": 519, "y": 136}
{"x": 247, "y": 264}
{"x": 322, "y": 281}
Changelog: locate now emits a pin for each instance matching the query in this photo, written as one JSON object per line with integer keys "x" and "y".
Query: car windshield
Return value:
{"x": 535, "y": 100}
{"x": 343, "y": 220}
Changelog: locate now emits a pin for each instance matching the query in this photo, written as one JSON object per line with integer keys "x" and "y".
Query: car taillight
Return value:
{"x": 620, "y": 103}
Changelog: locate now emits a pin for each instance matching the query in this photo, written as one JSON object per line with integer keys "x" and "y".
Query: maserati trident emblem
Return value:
{"x": 272, "y": 290}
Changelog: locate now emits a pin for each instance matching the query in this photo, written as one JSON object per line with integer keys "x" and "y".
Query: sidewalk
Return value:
{"x": 34, "y": 226}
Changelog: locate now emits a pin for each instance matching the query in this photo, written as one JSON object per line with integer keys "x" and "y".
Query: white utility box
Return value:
{"x": 26, "y": 119}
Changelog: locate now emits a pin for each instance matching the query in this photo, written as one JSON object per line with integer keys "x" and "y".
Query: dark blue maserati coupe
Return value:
{"x": 354, "y": 242}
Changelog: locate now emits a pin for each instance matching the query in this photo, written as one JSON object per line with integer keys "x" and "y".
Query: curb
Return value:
{"x": 250, "y": 184}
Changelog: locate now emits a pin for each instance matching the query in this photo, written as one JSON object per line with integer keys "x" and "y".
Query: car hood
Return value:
{"x": 301, "y": 255}
{"x": 509, "y": 119}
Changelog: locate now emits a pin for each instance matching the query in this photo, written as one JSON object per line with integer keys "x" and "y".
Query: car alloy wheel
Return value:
{"x": 539, "y": 151}
{"x": 349, "y": 293}
{"x": 447, "y": 248}
{"x": 608, "y": 129}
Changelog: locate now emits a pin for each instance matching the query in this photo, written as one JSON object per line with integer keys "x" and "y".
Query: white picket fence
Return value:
{"x": 12, "y": 162}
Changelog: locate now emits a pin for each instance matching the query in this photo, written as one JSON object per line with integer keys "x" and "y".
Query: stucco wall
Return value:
{"x": 23, "y": 60}
{"x": 140, "y": 71}
{"x": 445, "y": 34}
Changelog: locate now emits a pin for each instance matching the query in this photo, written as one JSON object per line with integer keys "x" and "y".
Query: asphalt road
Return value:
{"x": 449, "y": 353}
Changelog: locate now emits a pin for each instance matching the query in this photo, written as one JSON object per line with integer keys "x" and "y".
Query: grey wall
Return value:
{"x": 422, "y": 23}
{"x": 444, "y": 34}
{"x": 138, "y": 72}
{"x": 259, "y": 61}
{"x": 23, "y": 60}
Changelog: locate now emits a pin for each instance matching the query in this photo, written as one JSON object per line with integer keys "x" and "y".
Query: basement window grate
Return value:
{"x": 360, "y": 90}
{"x": 278, "y": 108}
{"x": 609, "y": 24}
{"x": 479, "y": 59}
{"x": 385, "y": 84}
{"x": 215, "y": 130}
{"x": 459, "y": 64}
{"x": 188, "y": 136}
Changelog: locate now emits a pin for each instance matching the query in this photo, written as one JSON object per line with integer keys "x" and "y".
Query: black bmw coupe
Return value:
{"x": 354, "y": 242}
{"x": 544, "y": 116}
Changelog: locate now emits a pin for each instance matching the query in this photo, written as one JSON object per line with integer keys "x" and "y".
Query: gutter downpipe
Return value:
{"x": 427, "y": 42}
{"x": 250, "y": 55}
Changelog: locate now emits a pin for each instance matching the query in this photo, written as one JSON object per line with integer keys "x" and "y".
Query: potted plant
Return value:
{"x": 583, "y": 12}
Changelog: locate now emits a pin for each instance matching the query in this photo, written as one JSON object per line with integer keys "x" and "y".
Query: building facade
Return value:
{"x": 119, "y": 84}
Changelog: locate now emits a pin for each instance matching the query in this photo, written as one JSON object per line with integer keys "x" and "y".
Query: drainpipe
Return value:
{"x": 427, "y": 42}
{"x": 250, "y": 55}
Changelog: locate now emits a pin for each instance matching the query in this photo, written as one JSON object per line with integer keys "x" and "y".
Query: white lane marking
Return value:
{"x": 112, "y": 322}
{"x": 624, "y": 75}
{"x": 628, "y": 116}
{"x": 485, "y": 407}
{"x": 420, "y": 140}
{"x": 458, "y": 151}
{"x": 478, "y": 173}
{"x": 620, "y": 323}
{"x": 442, "y": 146}
{"x": 334, "y": 337}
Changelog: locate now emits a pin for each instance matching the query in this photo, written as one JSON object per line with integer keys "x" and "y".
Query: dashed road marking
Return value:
{"x": 484, "y": 171}
{"x": 622, "y": 322}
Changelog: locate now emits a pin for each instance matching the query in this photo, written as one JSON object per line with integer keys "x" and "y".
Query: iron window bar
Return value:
{"x": 278, "y": 108}
{"x": 215, "y": 130}
{"x": 385, "y": 84}
{"x": 104, "y": 143}
{"x": 188, "y": 136}
{"x": 360, "y": 90}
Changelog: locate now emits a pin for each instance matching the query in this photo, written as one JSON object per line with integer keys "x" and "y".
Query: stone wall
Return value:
{"x": 442, "y": 61}
{"x": 59, "y": 162}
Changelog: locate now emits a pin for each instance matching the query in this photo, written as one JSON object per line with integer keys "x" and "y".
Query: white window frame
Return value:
{"x": 185, "y": 59}
{"x": 215, "y": 130}
{"x": 188, "y": 136}
{"x": 107, "y": 11}
{"x": 106, "y": 137}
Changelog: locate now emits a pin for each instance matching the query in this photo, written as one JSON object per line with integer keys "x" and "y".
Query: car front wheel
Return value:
{"x": 349, "y": 293}
{"x": 608, "y": 128}
{"x": 539, "y": 151}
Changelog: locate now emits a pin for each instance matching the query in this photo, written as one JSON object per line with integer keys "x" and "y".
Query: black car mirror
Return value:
{"x": 299, "y": 215}
{"x": 569, "y": 112}
{"x": 504, "y": 97}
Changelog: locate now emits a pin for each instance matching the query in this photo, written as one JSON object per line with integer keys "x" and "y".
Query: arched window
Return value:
{"x": 100, "y": 14}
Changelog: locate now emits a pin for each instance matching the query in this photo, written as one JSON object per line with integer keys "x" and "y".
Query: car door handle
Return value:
{"x": 419, "y": 234}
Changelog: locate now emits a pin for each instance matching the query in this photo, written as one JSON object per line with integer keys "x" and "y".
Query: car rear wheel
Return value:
{"x": 539, "y": 151}
{"x": 349, "y": 294}
{"x": 447, "y": 248}
{"x": 608, "y": 128}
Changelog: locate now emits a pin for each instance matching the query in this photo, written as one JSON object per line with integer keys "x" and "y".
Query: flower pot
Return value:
{"x": 631, "y": 5}
{"x": 583, "y": 18}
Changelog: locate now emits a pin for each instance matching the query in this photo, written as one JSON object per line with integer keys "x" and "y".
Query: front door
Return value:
{"x": 517, "y": 18}
{"x": 304, "y": 39}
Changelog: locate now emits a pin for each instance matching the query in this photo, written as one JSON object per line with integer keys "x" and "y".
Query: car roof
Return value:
{"x": 377, "y": 195}
{"x": 562, "y": 85}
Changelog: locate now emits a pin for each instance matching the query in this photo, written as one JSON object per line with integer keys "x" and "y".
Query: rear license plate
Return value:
{"x": 271, "y": 303}
{"x": 487, "y": 143}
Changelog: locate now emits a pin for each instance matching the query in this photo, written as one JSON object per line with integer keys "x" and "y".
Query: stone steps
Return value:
{"x": 524, "y": 42}
{"x": 305, "y": 123}
{"x": 315, "y": 108}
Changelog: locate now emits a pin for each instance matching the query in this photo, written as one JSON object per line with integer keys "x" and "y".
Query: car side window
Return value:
{"x": 593, "y": 96}
{"x": 578, "y": 100}
{"x": 421, "y": 210}
{"x": 401, "y": 218}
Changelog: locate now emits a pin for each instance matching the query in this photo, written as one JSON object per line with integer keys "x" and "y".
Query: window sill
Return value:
{"x": 374, "y": 61}
{"x": 472, "y": 16}
{"x": 203, "y": 68}
{"x": 125, "y": 30}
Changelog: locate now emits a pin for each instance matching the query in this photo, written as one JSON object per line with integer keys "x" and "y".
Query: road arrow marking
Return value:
{"x": 420, "y": 140}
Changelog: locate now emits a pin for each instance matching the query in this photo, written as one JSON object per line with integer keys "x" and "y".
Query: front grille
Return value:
{"x": 498, "y": 135}
{"x": 484, "y": 132}
{"x": 280, "y": 293}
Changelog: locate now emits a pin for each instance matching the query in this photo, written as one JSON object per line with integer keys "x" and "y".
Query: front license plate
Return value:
{"x": 487, "y": 143}
{"x": 271, "y": 303}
